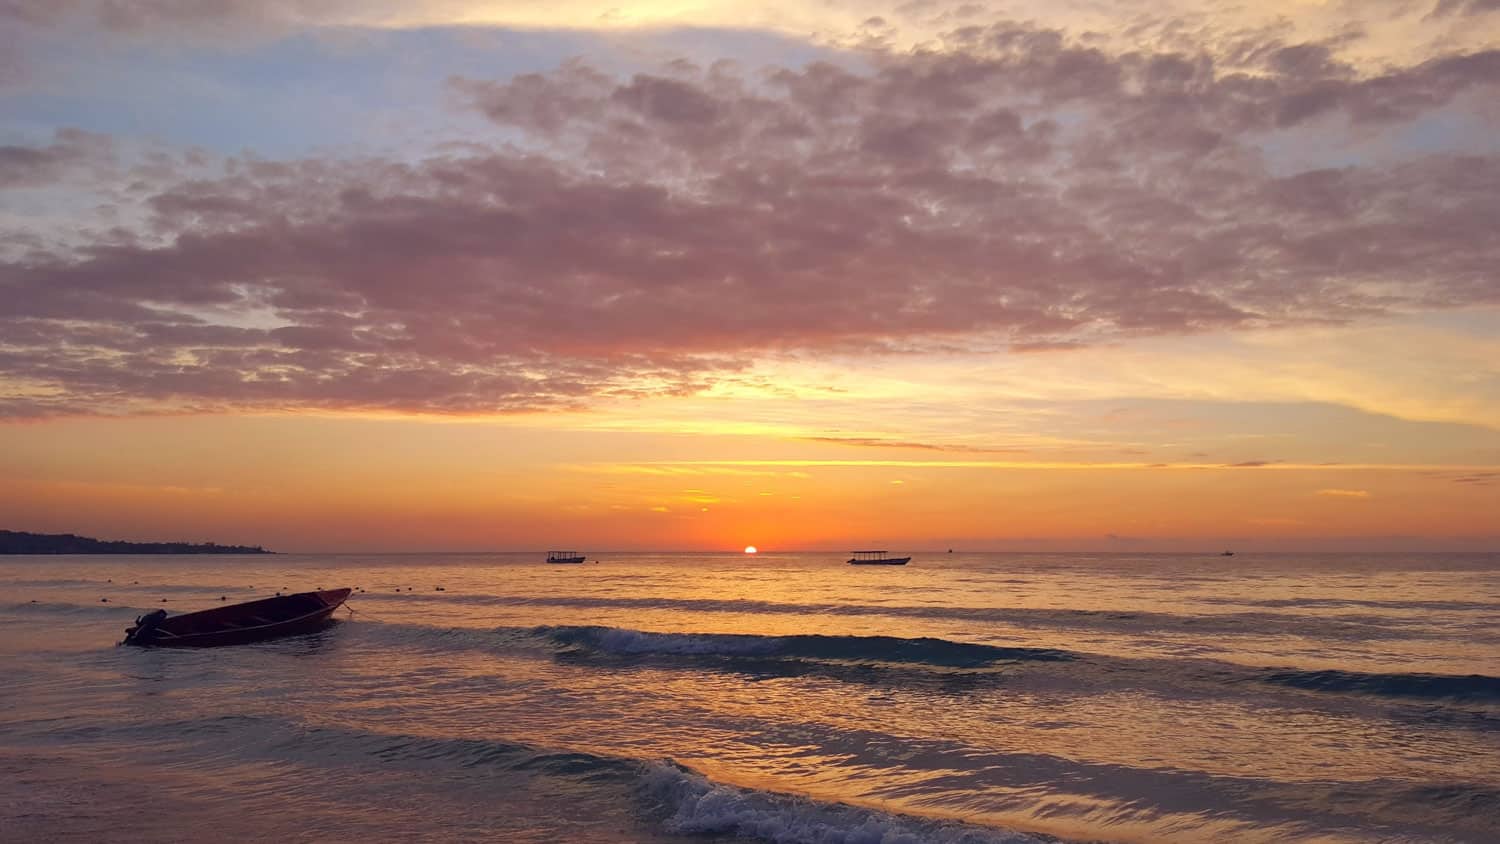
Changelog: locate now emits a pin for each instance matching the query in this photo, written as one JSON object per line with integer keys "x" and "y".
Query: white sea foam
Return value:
{"x": 695, "y": 804}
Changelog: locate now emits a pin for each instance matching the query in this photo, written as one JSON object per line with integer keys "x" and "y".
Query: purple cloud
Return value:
{"x": 649, "y": 234}
{"x": 70, "y": 149}
{"x": 1465, "y": 7}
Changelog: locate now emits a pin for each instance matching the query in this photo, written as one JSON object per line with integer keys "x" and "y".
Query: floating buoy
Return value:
{"x": 440, "y": 589}
{"x": 101, "y": 600}
{"x": 109, "y": 580}
{"x": 221, "y": 597}
{"x": 163, "y": 600}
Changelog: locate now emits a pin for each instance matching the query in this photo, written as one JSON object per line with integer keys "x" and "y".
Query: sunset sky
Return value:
{"x": 376, "y": 275}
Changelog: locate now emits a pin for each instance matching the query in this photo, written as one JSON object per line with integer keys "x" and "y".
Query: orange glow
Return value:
{"x": 751, "y": 549}
{"x": 295, "y": 483}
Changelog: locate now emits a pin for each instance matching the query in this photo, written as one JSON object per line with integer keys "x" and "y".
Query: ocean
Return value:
{"x": 781, "y": 697}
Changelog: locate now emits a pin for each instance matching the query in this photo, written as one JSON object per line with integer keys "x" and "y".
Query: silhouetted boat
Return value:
{"x": 1227, "y": 554}
{"x": 564, "y": 557}
{"x": 267, "y": 618}
{"x": 876, "y": 558}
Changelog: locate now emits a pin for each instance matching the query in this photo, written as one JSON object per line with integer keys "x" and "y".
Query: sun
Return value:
{"x": 750, "y": 549}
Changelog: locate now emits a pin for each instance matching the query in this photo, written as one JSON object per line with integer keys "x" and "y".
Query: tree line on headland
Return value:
{"x": 21, "y": 542}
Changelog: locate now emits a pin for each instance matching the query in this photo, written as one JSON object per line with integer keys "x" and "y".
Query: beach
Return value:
{"x": 782, "y": 697}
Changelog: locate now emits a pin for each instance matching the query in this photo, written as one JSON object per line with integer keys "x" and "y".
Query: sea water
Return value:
{"x": 780, "y": 697}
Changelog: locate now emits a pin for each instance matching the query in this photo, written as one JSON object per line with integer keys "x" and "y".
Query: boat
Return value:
{"x": 1227, "y": 554}
{"x": 876, "y": 558}
{"x": 564, "y": 557}
{"x": 253, "y": 621}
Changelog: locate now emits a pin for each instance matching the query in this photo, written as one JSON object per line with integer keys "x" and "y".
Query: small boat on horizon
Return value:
{"x": 1227, "y": 554}
{"x": 876, "y": 558}
{"x": 565, "y": 557}
{"x": 237, "y": 624}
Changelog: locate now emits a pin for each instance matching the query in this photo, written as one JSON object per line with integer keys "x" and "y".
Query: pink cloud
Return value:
{"x": 70, "y": 150}
{"x": 648, "y": 234}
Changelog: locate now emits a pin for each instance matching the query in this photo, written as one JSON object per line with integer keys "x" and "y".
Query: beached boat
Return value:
{"x": 267, "y": 618}
{"x": 564, "y": 557}
{"x": 876, "y": 558}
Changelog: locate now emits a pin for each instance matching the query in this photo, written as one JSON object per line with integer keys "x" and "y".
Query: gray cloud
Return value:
{"x": 70, "y": 149}
{"x": 645, "y": 235}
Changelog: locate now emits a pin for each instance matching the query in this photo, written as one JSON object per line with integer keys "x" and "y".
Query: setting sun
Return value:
{"x": 1164, "y": 342}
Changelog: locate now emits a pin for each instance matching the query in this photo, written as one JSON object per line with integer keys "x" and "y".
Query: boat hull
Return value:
{"x": 254, "y": 621}
{"x": 889, "y": 561}
{"x": 566, "y": 561}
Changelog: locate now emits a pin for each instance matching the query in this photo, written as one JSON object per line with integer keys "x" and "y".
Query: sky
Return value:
{"x": 368, "y": 275}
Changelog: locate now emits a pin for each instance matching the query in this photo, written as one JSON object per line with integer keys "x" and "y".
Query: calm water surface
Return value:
{"x": 787, "y": 698}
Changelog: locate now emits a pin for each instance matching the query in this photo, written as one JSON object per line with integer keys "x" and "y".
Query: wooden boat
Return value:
{"x": 564, "y": 557}
{"x": 876, "y": 558}
{"x": 267, "y": 618}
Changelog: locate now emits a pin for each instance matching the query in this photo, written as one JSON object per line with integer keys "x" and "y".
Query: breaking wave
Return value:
{"x": 1467, "y": 687}
{"x": 668, "y": 795}
{"x": 692, "y": 804}
{"x": 941, "y": 653}
{"x": 910, "y": 660}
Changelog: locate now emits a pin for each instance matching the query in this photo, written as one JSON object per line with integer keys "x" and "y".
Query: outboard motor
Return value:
{"x": 140, "y": 634}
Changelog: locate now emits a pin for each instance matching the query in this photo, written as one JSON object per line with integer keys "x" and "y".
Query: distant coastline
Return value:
{"x": 21, "y": 542}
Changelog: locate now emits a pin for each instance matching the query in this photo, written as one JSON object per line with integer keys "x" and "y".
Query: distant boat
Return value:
{"x": 876, "y": 558}
{"x": 564, "y": 557}
{"x": 253, "y": 621}
{"x": 1227, "y": 554}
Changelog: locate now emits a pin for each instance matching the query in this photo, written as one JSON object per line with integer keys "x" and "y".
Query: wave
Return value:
{"x": 905, "y": 660}
{"x": 930, "y": 663}
{"x": 692, "y": 804}
{"x": 668, "y": 795}
{"x": 680, "y": 799}
{"x": 1229, "y": 623}
{"x": 683, "y": 801}
{"x": 136, "y": 585}
{"x": 941, "y": 653}
{"x": 42, "y": 607}
{"x": 1456, "y": 687}
{"x": 336, "y": 743}
{"x": 624, "y": 644}
{"x": 1341, "y": 603}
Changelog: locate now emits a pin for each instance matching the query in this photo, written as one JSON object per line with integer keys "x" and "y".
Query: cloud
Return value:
{"x": 1344, "y": 493}
{"x": 1465, "y": 7}
{"x": 646, "y": 235}
{"x": 70, "y": 150}
{"x": 139, "y": 15}
{"x": 874, "y": 442}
